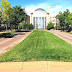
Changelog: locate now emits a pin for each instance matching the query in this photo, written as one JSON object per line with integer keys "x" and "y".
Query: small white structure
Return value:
{"x": 39, "y": 18}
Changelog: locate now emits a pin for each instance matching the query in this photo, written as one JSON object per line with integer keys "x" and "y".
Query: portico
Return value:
{"x": 39, "y": 18}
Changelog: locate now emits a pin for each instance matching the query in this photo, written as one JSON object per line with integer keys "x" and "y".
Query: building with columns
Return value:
{"x": 40, "y": 19}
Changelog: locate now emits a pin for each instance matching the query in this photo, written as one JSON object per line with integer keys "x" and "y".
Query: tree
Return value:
{"x": 50, "y": 26}
{"x": 5, "y": 7}
{"x": 22, "y": 25}
{"x": 10, "y": 18}
{"x": 62, "y": 16}
{"x": 30, "y": 26}
{"x": 19, "y": 15}
{"x": 66, "y": 13}
{"x": 0, "y": 17}
{"x": 68, "y": 22}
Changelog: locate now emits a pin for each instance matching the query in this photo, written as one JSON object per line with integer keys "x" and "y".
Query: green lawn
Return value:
{"x": 39, "y": 46}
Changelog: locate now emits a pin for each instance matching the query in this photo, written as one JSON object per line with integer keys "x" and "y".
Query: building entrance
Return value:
{"x": 39, "y": 22}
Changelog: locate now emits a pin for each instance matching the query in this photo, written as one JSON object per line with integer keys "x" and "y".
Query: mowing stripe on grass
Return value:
{"x": 39, "y": 46}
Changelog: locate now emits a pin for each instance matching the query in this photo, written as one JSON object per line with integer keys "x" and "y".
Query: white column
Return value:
{"x": 35, "y": 22}
{"x": 41, "y": 21}
{"x": 38, "y": 21}
{"x": 44, "y": 22}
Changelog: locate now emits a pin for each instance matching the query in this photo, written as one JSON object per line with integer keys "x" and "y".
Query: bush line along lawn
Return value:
{"x": 67, "y": 32}
{"x": 7, "y": 33}
{"x": 39, "y": 46}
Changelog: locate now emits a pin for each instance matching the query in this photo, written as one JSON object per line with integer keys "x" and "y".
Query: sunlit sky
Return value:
{"x": 51, "y": 6}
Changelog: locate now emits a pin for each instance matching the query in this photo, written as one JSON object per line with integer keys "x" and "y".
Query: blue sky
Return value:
{"x": 51, "y": 6}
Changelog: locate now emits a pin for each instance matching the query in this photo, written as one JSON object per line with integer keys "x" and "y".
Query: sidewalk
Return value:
{"x": 65, "y": 36}
{"x": 39, "y": 66}
{"x": 7, "y": 43}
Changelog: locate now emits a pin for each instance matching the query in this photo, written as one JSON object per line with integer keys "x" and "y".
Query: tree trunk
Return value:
{"x": 63, "y": 28}
{"x": 22, "y": 27}
{"x": 11, "y": 28}
{"x": 71, "y": 28}
{"x": 18, "y": 27}
{"x": 6, "y": 28}
{"x": 6, "y": 25}
{"x": 15, "y": 27}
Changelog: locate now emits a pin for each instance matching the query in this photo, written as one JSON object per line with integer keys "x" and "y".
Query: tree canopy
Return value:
{"x": 65, "y": 19}
{"x": 11, "y": 16}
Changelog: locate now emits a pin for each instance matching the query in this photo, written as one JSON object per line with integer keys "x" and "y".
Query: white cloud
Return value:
{"x": 69, "y": 8}
{"x": 31, "y": 8}
{"x": 52, "y": 10}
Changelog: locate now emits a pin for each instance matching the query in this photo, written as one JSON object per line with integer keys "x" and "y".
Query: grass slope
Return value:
{"x": 39, "y": 46}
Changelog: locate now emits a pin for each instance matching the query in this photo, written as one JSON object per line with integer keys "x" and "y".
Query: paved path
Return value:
{"x": 2, "y": 32}
{"x": 41, "y": 66}
{"x": 6, "y": 43}
{"x": 65, "y": 36}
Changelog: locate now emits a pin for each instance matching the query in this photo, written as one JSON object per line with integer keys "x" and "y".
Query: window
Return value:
{"x": 39, "y": 20}
{"x": 34, "y": 21}
{"x": 45, "y": 22}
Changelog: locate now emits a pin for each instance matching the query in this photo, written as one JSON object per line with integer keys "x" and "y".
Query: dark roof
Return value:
{"x": 39, "y": 9}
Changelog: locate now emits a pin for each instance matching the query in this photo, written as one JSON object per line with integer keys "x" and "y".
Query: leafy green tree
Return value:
{"x": 68, "y": 22}
{"x": 19, "y": 15}
{"x": 30, "y": 26}
{"x": 50, "y": 26}
{"x": 66, "y": 13}
{"x": 22, "y": 25}
{"x": 5, "y": 7}
{"x": 0, "y": 17}
{"x": 10, "y": 14}
{"x": 62, "y": 16}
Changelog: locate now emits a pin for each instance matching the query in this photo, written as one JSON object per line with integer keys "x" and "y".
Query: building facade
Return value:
{"x": 40, "y": 19}
{"x": 54, "y": 20}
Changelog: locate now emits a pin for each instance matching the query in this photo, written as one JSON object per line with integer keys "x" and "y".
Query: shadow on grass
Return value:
{"x": 6, "y": 35}
{"x": 9, "y": 35}
{"x": 24, "y": 31}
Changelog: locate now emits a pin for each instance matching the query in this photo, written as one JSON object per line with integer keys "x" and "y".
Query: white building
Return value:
{"x": 54, "y": 20}
{"x": 40, "y": 19}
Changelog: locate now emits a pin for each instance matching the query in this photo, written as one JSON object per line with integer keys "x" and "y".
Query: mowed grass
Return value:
{"x": 39, "y": 46}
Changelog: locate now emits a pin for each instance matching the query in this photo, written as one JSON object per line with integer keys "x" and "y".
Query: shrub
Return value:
{"x": 22, "y": 25}
{"x": 57, "y": 27}
{"x": 50, "y": 26}
{"x": 29, "y": 26}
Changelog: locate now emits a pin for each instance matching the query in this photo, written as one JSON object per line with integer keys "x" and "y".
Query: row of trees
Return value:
{"x": 65, "y": 20}
{"x": 24, "y": 25}
{"x": 11, "y": 17}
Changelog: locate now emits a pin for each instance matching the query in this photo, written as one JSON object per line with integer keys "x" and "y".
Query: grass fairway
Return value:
{"x": 39, "y": 46}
